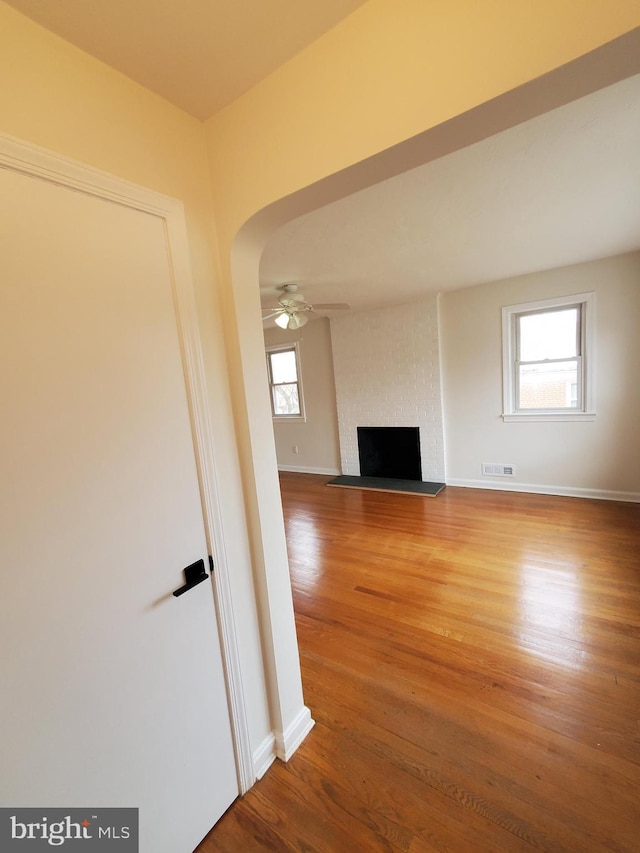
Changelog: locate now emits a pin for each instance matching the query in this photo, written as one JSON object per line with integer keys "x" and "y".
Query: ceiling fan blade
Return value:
{"x": 273, "y": 314}
{"x": 331, "y": 306}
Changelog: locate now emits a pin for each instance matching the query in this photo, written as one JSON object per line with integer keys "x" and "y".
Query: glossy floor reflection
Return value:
{"x": 472, "y": 662}
{"x": 551, "y": 622}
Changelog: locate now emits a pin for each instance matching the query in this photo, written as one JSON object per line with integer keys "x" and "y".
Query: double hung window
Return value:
{"x": 547, "y": 359}
{"x": 283, "y": 367}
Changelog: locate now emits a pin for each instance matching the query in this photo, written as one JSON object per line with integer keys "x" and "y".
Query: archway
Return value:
{"x": 596, "y": 69}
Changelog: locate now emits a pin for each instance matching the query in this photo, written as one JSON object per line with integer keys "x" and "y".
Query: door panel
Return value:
{"x": 113, "y": 690}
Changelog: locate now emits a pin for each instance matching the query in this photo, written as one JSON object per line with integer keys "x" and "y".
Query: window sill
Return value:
{"x": 278, "y": 419}
{"x": 548, "y": 416}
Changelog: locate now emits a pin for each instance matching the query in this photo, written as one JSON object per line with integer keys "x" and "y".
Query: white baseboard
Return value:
{"x": 264, "y": 756}
{"x": 282, "y": 744}
{"x": 533, "y": 488}
{"x": 306, "y": 469}
{"x": 288, "y": 741}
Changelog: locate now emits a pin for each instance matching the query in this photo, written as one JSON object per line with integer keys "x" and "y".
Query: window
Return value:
{"x": 283, "y": 366}
{"x": 547, "y": 359}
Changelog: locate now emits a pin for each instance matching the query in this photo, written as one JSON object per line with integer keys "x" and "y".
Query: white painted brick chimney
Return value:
{"x": 387, "y": 373}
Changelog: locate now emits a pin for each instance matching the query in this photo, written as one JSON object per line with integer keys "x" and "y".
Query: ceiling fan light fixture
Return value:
{"x": 288, "y": 320}
{"x": 294, "y": 310}
{"x": 297, "y": 320}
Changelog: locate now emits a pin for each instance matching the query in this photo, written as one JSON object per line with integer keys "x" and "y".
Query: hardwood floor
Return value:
{"x": 472, "y": 662}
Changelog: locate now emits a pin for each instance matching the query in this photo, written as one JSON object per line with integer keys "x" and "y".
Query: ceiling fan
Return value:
{"x": 294, "y": 310}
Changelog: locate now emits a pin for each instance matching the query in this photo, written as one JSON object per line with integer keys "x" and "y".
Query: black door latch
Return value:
{"x": 193, "y": 575}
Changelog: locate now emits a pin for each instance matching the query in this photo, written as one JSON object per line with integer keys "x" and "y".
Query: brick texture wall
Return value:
{"x": 387, "y": 373}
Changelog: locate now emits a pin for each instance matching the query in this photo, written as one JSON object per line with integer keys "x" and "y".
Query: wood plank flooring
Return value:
{"x": 473, "y": 666}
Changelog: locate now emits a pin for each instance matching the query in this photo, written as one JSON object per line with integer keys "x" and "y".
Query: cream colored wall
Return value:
{"x": 390, "y": 71}
{"x": 55, "y": 96}
{"x": 397, "y": 83}
{"x": 596, "y": 458}
{"x": 316, "y": 437}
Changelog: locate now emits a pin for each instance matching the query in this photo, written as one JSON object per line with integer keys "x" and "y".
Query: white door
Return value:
{"x": 112, "y": 689}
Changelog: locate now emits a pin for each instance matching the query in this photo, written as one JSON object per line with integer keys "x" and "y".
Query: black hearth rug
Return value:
{"x": 387, "y": 484}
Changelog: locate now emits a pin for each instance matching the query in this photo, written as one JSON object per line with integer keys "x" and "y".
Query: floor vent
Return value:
{"x": 494, "y": 469}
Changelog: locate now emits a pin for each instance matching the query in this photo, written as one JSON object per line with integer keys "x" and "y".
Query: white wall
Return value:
{"x": 598, "y": 458}
{"x": 316, "y": 437}
{"x": 387, "y": 373}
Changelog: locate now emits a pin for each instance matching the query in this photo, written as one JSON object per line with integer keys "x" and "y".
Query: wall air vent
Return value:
{"x": 495, "y": 469}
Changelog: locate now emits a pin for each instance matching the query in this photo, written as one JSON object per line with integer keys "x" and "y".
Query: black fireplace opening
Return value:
{"x": 392, "y": 452}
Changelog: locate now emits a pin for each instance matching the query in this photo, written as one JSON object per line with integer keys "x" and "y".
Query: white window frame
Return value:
{"x": 586, "y": 360}
{"x": 292, "y": 345}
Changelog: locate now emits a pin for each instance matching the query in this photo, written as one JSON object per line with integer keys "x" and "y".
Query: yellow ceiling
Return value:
{"x": 198, "y": 54}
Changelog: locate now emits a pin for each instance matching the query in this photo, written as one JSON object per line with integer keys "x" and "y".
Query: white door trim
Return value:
{"x": 19, "y": 156}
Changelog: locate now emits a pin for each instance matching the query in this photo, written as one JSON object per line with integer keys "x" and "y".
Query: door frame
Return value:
{"x": 27, "y": 159}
